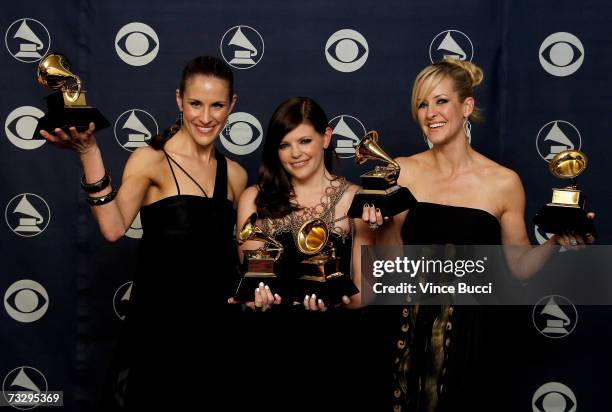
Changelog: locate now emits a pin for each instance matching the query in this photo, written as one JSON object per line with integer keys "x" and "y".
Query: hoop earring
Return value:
{"x": 467, "y": 128}
{"x": 228, "y": 128}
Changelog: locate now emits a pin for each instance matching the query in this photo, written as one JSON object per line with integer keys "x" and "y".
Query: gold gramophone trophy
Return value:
{"x": 320, "y": 273}
{"x": 259, "y": 263}
{"x": 67, "y": 107}
{"x": 379, "y": 186}
{"x": 565, "y": 213}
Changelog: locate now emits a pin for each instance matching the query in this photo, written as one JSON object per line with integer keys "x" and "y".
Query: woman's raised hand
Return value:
{"x": 81, "y": 142}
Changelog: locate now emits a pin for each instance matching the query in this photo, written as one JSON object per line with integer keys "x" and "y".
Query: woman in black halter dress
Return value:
{"x": 186, "y": 192}
{"x": 441, "y": 352}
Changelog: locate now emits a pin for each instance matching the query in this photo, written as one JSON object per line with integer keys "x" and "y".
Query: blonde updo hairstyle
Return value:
{"x": 466, "y": 77}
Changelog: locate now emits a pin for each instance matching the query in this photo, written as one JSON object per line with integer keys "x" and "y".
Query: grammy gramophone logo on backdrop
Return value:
{"x": 451, "y": 44}
{"x": 134, "y": 128}
{"x": 557, "y": 136}
{"x": 27, "y": 214}
{"x": 135, "y": 229}
{"x": 242, "y": 47}
{"x": 27, "y": 40}
{"x": 347, "y": 132}
{"x": 24, "y": 379}
{"x": 121, "y": 299}
{"x": 555, "y": 316}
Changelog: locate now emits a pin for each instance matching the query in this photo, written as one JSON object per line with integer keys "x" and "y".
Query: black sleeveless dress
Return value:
{"x": 188, "y": 265}
{"x": 442, "y": 351}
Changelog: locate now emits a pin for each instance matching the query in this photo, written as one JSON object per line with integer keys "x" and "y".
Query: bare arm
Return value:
{"x": 237, "y": 179}
{"x": 115, "y": 217}
{"x": 246, "y": 207}
{"x": 523, "y": 259}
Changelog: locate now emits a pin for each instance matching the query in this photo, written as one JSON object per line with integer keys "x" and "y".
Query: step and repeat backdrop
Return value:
{"x": 547, "y": 66}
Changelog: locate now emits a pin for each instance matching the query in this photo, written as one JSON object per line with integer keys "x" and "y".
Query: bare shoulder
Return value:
{"x": 144, "y": 161}
{"x": 349, "y": 193}
{"x": 411, "y": 166}
{"x": 352, "y": 188}
{"x": 235, "y": 171}
{"x": 501, "y": 177}
{"x": 249, "y": 195}
{"x": 416, "y": 161}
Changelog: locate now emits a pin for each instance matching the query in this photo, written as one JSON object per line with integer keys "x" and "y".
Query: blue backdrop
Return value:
{"x": 546, "y": 88}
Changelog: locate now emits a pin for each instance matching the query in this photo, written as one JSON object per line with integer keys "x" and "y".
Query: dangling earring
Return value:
{"x": 228, "y": 128}
{"x": 181, "y": 117}
{"x": 426, "y": 140}
{"x": 467, "y": 128}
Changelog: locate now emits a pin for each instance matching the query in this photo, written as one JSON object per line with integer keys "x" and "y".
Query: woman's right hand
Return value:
{"x": 264, "y": 299}
{"x": 81, "y": 142}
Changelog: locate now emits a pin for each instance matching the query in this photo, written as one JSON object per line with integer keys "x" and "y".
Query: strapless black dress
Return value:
{"x": 443, "y": 352}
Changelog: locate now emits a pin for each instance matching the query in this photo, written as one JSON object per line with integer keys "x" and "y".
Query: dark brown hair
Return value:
{"x": 201, "y": 65}
{"x": 274, "y": 183}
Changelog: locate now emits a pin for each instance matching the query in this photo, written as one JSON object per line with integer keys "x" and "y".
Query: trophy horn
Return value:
{"x": 54, "y": 73}
{"x": 312, "y": 236}
{"x": 250, "y": 231}
{"x": 368, "y": 148}
{"x": 568, "y": 164}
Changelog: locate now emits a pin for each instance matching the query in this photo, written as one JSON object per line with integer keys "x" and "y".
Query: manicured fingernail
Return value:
{"x": 320, "y": 301}
{"x": 377, "y": 210}
{"x": 267, "y": 287}
{"x": 314, "y": 296}
{"x": 257, "y": 290}
{"x": 261, "y": 284}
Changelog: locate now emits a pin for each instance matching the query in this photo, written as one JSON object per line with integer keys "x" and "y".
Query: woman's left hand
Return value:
{"x": 572, "y": 241}
{"x": 312, "y": 304}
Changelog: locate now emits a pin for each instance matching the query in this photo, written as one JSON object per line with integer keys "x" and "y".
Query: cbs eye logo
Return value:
{"x": 561, "y": 54}
{"x": 27, "y": 40}
{"x": 20, "y": 126}
{"x": 244, "y": 134}
{"x": 26, "y": 301}
{"x": 26, "y": 380}
{"x": 451, "y": 44}
{"x": 554, "y": 397}
{"x": 346, "y": 50}
{"x": 137, "y": 44}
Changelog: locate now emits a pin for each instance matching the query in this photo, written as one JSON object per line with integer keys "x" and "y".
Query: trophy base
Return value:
{"x": 564, "y": 219}
{"x": 395, "y": 200}
{"x": 246, "y": 289}
{"x": 330, "y": 288}
{"x": 64, "y": 117}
